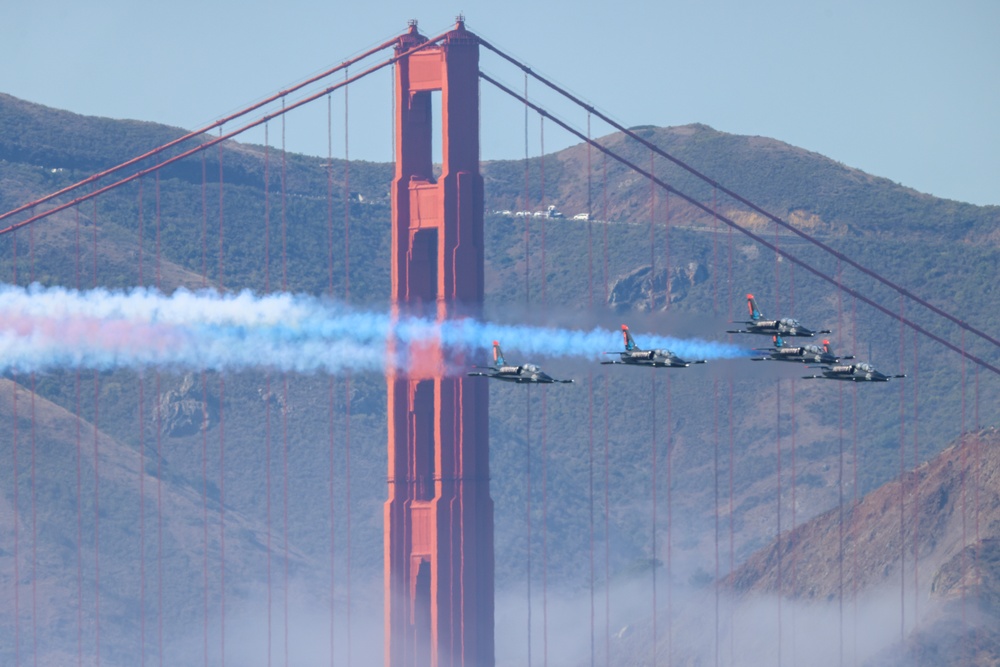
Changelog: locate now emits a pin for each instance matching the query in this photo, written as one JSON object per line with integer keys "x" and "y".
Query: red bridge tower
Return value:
{"x": 439, "y": 515}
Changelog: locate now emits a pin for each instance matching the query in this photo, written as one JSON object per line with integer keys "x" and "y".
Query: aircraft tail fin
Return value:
{"x": 497, "y": 355}
{"x": 752, "y": 307}
{"x": 827, "y": 348}
{"x": 778, "y": 342}
{"x": 627, "y": 337}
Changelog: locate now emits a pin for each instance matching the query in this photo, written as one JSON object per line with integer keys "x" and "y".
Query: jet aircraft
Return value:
{"x": 525, "y": 373}
{"x": 658, "y": 358}
{"x": 861, "y": 372}
{"x": 786, "y": 326}
{"x": 807, "y": 354}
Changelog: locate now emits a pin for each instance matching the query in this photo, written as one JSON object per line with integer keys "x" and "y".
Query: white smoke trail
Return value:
{"x": 46, "y": 328}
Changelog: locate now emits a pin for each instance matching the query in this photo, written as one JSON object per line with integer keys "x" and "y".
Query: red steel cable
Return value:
{"x": 527, "y": 506}
{"x": 142, "y": 477}
{"x": 607, "y": 524}
{"x": 213, "y": 142}
{"x": 916, "y": 464}
{"x": 545, "y": 531}
{"x": 902, "y": 487}
{"x": 524, "y": 207}
{"x": 208, "y": 128}
{"x": 590, "y": 231}
{"x": 17, "y": 538}
{"x": 330, "y": 399}
{"x": 284, "y": 501}
{"x": 79, "y": 482}
{"x": 204, "y": 514}
{"x": 347, "y": 379}
{"x": 652, "y": 475}
{"x": 267, "y": 386}
{"x": 652, "y": 236}
{"x": 34, "y": 512}
{"x": 284, "y": 406}
{"x": 222, "y": 433}
{"x": 541, "y": 174}
{"x": 777, "y": 440}
{"x": 604, "y": 219}
{"x": 97, "y": 480}
{"x": 670, "y": 526}
{"x": 159, "y": 460}
{"x": 204, "y": 423}
{"x": 590, "y": 500}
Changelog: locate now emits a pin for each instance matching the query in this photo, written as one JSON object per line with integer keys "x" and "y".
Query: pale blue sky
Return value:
{"x": 905, "y": 89}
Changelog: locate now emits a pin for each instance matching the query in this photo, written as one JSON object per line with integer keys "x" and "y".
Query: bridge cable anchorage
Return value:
{"x": 222, "y": 137}
{"x": 774, "y": 218}
{"x": 746, "y": 232}
{"x": 203, "y": 130}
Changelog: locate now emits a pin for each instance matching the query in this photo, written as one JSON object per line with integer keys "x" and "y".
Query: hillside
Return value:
{"x": 936, "y": 530}
{"x": 729, "y": 438}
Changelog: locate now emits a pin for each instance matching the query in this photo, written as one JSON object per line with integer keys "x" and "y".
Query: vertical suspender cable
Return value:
{"x": 527, "y": 506}
{"x": 204, "y": 420}
{"x": 284, "y": 405}
{"x": 17, "y": 507}
{"x": 541, "y": 175}
{"x": 142, "y": 487}
{"x": 222, "y": 435}
{"x": 777, "y": 441}
{"x": 902, "y": 484}
{"x": 670, "y": 526}
{"x": 97, "y": 479}
{"x": 916, "y": 505}
{"x": 524, "y": 203}
{"x": 159, "y": 463}
{"x": 653, "y": 478}
{"x": 79, "y": 481}
{"x": 267, "y": 387}
{"x": 607, "y": 526}
{"x": 330, "y": 401}
{"x": 590, "y": 502}
{"x": 347, "y": 380}
{"x": 732, "y": 456}
{"x": 34, "y": 512}
{"x": 545, "y": 529}
{"x": 590, "y": 397}
{"x": 604, "y": 219}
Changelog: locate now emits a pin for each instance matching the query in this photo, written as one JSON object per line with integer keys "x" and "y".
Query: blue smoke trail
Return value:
{"x": 47, "y": 328}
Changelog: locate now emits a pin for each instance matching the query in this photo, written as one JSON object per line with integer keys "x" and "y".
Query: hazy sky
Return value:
{"x": 905, "y": 89}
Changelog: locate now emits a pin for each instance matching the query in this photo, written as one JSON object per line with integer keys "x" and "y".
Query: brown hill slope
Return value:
{"x": 930, "y": 539}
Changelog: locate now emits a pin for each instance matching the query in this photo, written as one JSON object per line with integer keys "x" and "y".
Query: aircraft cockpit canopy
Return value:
{"x": 789, "y": 322}
{"x": 531, "y": 368}
{"x": 868, "y": 368}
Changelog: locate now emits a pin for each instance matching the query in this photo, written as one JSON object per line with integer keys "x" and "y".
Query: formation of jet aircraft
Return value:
{"x": 829, "y": 363}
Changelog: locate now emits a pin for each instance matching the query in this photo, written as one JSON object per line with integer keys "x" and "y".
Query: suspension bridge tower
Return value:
{"x": 438, "y": 515}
